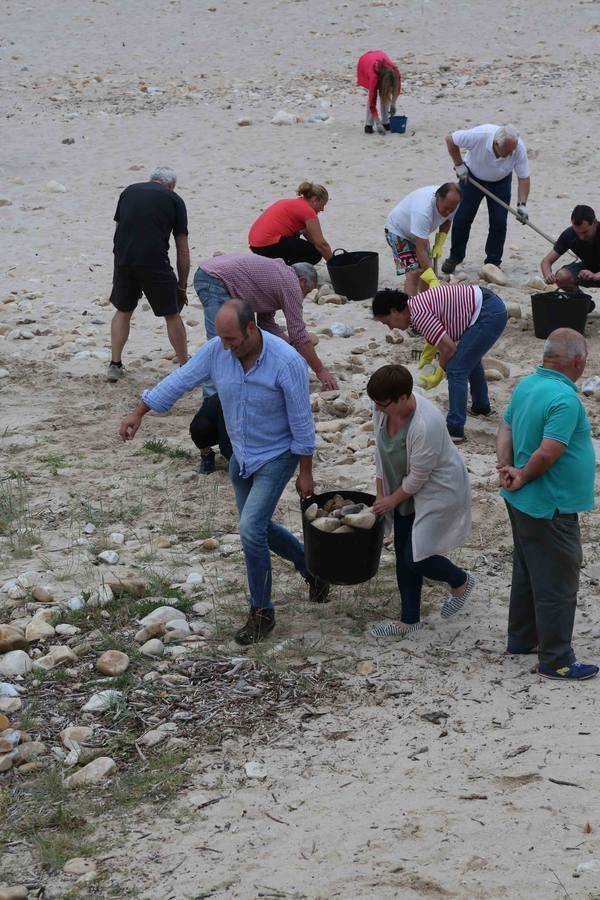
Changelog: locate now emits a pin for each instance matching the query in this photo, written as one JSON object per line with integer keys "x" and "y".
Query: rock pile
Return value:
{"x": 340, "y": 516}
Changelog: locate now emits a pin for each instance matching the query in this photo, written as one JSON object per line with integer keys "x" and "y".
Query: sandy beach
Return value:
{"x": 432, "y": 767}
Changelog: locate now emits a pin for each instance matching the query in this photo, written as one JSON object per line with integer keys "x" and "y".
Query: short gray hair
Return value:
{"x": 565, "y": 344}
{"x": 164, "y": 175}
{"x": 506, "y": 133}
{"x": 307, "y": 272}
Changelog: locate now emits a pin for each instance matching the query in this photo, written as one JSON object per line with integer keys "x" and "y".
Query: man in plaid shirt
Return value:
{"x": 267, "y": 285}
{"x": 463, "y": 321}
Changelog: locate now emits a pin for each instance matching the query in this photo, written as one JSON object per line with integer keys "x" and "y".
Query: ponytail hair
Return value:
{"x": 309, "y": 189}
{"x": 388, "y": 85}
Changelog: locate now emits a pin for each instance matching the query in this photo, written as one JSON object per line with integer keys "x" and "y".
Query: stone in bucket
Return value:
{"x": 340, "y": 516}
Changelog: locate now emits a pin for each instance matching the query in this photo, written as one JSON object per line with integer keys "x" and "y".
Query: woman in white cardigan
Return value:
{"x": 423, "y": 488}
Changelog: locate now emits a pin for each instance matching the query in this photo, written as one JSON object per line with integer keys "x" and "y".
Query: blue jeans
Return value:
{"x": 465, "y": 370}
{"x": 212, "y": 294}
{"x": 410, "y": 574}
{"x": 256, "y": 498}
{"x": 497, "y": 215}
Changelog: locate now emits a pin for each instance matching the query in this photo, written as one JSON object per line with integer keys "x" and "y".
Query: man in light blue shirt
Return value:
{"x": 547, "y": 466}
{"x": 263, "y": 385}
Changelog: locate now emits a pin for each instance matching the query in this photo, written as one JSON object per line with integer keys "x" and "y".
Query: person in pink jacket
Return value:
{"x": 378, "y": 75}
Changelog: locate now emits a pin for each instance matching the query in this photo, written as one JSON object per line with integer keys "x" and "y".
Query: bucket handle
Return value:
{"x": 339, "y": 250}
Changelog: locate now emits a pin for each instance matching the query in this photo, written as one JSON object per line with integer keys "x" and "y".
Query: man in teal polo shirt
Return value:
{"x": 547, "y": 464}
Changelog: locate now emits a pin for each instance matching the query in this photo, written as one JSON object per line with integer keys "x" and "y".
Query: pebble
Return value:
{"x": 255, "y": 769}
{"x": 117, "y": 537}
{"x": 16, "y": 662}
{"x": 514, "y": 310}
{"x": 75, "y": 734}
{"x": 341, "y": 329}
{"x": 493, "y": 274}
{"x": 394, "y": 337}
{"x": 109, "y": 556}
{"x": 42, "y": 594}
{"x": 55, "y": 187}
{"x": 112, "y": 662}
{"x": 148, "y": 631}
{"x": 8, "y": 690}
{"x": 310, "y": 513}
{"x": 162, "y": 614}
{"x": 208, "y": 544}
{"x": 38, "y": 630}
{"x": 177, "y": 625}
{"x": 201, "y": 608}
{"x": 66, "y": 630}
{"x": 11, "y": 639}
{"x": 25, "y": 752}
{"x": 10, "y": 704}
{"x": 101, "y": 596}
{"x": 493, "y": 375}
{"x": 58, "y": 656}
{"x": 329, "y": 396}
{"x": 153, "y": 648}
{"x": 95, "y": 772}
{"x": 6, "y": 762}
{"x": 74, "y": 603}
{"x": 89, "y": 528}
{"x": 130, "y": 584}
{"x": 244, "y": 120}
{"x": 102, "y": 700}
{"x": 284, "y": 118}
{"x": 326, "y": 524}
{"x": 364, "y": 520}
{"x": 4, "y": 722}
{"x": 194, "y": 579}
{"x": 13, "y": 892}
{"x": 79, "y": 866}
{"x": 156, "y": 735}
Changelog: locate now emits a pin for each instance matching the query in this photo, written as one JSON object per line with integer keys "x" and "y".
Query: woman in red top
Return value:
{"x": 290, "y": 229}
{"x": 378, "y": 74}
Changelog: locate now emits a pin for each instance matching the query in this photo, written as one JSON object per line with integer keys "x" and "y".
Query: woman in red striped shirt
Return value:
{"x": 463, "y": 321}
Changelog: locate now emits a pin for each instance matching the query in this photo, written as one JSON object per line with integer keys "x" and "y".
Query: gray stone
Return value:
{"x": 16, "y": 662}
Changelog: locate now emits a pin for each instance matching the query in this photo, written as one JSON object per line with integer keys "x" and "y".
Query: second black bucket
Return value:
{"x": 342, "y": 558}
{"x": 554, "y": 309}
{"x": 355, "y": 274}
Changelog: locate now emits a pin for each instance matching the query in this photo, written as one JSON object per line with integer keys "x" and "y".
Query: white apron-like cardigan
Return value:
{"x": 438, "y": 480}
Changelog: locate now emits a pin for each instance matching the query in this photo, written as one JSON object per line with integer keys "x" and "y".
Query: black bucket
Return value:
{"x": 356, "y": 274}
{"x": 342, "y": 558}
{"x": 556, "y": 309}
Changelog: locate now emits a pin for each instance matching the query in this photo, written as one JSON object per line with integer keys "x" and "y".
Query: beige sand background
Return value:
{"x": 369, "y": 799}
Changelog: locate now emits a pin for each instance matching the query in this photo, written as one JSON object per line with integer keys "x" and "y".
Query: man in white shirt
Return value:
{"x": 409, "y": 226}
{"x": 493, "y": 152}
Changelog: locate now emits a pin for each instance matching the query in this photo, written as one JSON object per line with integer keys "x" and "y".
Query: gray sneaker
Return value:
{"x": 115, "y": 373}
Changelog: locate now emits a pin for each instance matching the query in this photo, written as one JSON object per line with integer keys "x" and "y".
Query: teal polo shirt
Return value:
{"x": 546, "y": 405}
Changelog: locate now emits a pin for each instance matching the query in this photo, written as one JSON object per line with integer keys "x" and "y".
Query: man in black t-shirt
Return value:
{"x": 146, "y": 216}
{"x": 582, "y": 239}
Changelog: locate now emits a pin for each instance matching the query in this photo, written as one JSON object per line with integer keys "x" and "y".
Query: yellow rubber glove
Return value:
{"x": 430, "y": 278}
{"x": 431, "y": 381}
{"x": 427, "y": 356}
{"x": 438, "y": 244}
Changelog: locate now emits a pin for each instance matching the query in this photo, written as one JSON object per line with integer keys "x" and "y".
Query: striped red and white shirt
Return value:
{"x": 445, "y": 310}
{"x": 267, "y": 285}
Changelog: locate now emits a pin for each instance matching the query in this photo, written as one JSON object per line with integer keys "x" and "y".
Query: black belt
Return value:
{"x": 571, "y": 516}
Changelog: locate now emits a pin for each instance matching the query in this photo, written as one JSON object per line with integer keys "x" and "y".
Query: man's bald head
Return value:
{"x": 235, "y": 312}
{"x": 565, "y": 350}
